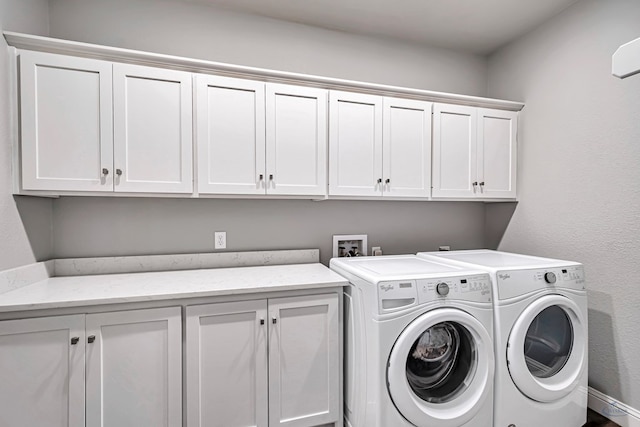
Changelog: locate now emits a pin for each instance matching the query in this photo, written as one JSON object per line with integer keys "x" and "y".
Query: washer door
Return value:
{"x": 547, "y": 348}
{"x": 440, "y": 368}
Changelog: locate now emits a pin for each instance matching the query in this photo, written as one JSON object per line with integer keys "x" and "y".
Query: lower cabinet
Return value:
{"x": 124, "y": 367}
{"x": 271, "y": 362}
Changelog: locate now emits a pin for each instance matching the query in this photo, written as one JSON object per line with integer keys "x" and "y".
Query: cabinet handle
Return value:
{"x": 379, "y": 180}
{"x": 118, "y": 172}
{"x": 274, "y": 320}
{"x": 270, "y": 177}
{"x": 75, "y": 340}
{"x": 91, "y": 339}
{"x": 262, "y": 321}
{"x": 387, "y": 181}
{"x": 105, "y": 171}
{"x": 475, "y": 184}
{"x": 482, "y": 187}
{"x": 260, "y": 177}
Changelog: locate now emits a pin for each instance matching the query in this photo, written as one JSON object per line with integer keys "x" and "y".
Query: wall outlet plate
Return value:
{"x": 349, "y": 245}
{"x": 220, "y": 240}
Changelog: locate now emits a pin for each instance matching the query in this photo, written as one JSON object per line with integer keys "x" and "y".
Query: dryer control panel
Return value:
{"x": 462, "y": 288}
{"x": 514, "y": 283}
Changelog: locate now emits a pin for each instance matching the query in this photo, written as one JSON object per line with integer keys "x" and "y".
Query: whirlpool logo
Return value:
{"x": 504, "y": 276}
{"x": 386, "y": 288}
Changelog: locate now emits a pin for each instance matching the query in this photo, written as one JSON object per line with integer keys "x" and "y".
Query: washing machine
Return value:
{"x": 540, "y": 336}
{"x": 418, "y": 343}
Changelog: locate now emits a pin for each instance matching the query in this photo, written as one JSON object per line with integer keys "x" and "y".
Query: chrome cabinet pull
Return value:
{"x": 91, "y": 339}
{"x": 260, "y": 177}
{"x": 118, "y": 172}
{"x": 105, "y": 171}
{"x": 379, "y": 181}
{"x": 274, "y": 320}
{"x": 270, "y": 177}
{"x": 387, "y": 181}
{"x": 75, "y": 340}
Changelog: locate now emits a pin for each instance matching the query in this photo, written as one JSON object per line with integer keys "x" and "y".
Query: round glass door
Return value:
{"x": 548, "y": 342}
{"x": 547, "y": 348}
{"x": 440, "y": 369}
{"x": 441, "y": 362}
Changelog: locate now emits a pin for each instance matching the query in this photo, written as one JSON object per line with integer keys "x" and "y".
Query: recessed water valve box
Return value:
{"x": 348, "y": 245}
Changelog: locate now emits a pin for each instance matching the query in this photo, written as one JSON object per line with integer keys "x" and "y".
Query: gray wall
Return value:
{"x": 25, "y": 223}
{"x": 101, "y": 226}
{"x": 579, "y": 171}
{"x": 109, "y": 226}
{"x": 187, "y": 29}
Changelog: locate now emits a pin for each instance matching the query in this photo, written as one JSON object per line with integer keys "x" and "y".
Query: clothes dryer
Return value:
{"x": 540, "y": 336}
{"x": 418, "y": 345}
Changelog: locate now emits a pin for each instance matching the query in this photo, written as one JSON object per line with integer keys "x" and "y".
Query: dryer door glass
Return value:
{"x": 441, "y": 362}
{"x": 548, "y": 342}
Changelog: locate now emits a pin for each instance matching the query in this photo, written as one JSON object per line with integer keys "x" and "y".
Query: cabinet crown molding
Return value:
{"x": 67, "y": 47}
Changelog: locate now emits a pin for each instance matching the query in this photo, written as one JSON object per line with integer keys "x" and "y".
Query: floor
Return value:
{"x": 596, "y": 420}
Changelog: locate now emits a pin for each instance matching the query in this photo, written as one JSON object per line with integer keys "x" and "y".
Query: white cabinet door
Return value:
{"x": 66, "y": 123}
{"x": 226, "y": 356}
{"x": 134, "y": 368}
{"x": 152, "y": 130}
{"x": 296, "y": 138}
{"x": 355, "y": 144}
{"x": 304, "y": 361}
{"x": 497, "y": 156}
{"x": 406, "y": 148}
{"x": 230, "y": 116}
{"x": 454, "y": 151}
{"x": 42, "y": 372}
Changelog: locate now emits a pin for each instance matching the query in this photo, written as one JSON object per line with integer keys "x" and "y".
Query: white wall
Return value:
{"x": 579, "y": 183}
{"x": 94, "y": 226}
{"x": 25, "y": 223}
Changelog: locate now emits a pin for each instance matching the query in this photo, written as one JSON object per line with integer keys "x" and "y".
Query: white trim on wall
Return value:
{"x": 626, "y": 60}
{"x": 613, "y": 409}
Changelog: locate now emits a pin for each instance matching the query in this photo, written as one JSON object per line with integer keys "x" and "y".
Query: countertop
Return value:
{"x": 79, "y": 291}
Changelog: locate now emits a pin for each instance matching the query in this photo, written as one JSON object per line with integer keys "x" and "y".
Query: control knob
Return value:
{"x": 442, "y": 289}
{"x": 550, "y": 277}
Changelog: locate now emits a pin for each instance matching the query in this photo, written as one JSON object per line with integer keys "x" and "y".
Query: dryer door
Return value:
{"x": 547, "y": 348}
{"x": 440, "y": 369}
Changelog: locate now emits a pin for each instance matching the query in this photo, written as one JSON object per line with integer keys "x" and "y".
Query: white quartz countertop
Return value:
{"x": 78, "y": 291}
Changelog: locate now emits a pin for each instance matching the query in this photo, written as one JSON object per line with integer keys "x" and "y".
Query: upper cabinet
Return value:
{"x": 66, "y": 123}
{"x": 406, "y": 148}
{"x": 90, "y": 125}
{"x": 152, "y": 129}
{"x": 379, "y": 146}
{"x": 230, "y": 135}
{"x": 474, "y": 152}
{"x": 296, "y": 119}
{"x": 116, "y": 125}
{"x": 260, "y": 138}
{"x": 355, "y": 144}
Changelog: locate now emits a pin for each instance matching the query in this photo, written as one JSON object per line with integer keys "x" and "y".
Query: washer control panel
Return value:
{"x": 464, "y": 288}
{"x": 397, "y": 294}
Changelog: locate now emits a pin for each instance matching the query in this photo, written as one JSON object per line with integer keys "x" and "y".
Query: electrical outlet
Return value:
{"x": 220, "y": 240}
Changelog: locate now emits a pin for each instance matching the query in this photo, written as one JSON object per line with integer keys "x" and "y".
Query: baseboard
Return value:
{"x": 613, "y": 409}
